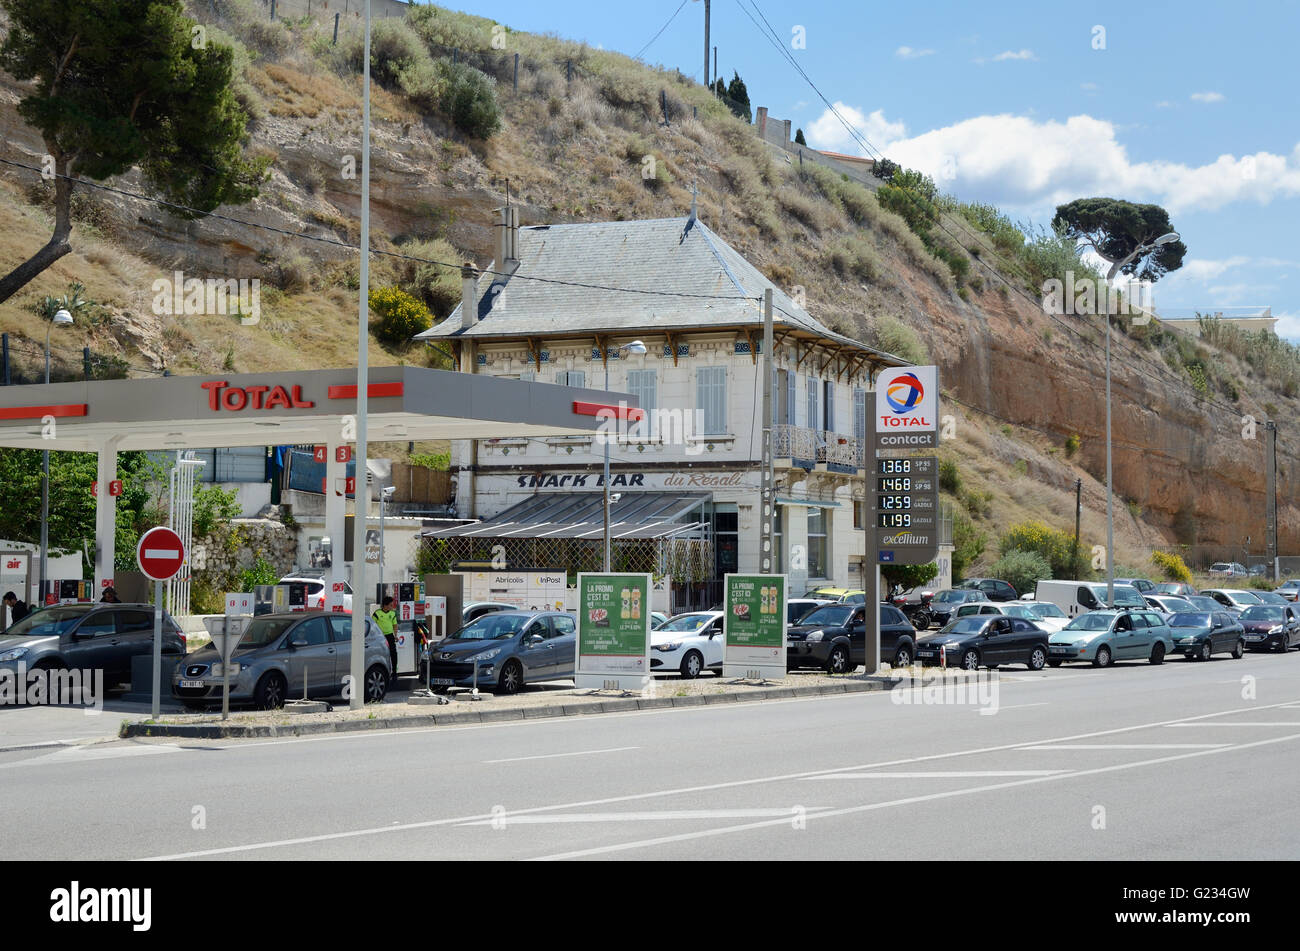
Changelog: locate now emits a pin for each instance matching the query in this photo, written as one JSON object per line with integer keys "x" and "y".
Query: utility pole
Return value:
{"x": 1078, "y": 511}
{"x": 706, "y": 41}
{"x": 767, "y": 495}
{"x": 1270, "y": 518}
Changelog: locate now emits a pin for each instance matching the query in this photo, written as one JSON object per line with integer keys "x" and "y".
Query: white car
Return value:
{"x": 1046, "y": 616}
{"x": 316, "y": 593}
{"x": 1168, "y": 605}
{"x": 688, "y": 643}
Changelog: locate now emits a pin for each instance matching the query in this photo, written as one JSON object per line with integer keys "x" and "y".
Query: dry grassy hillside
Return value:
{"x": 571, "y": 146}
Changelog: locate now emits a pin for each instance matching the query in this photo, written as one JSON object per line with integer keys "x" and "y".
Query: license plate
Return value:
{"x": 193, "y": 683}
{"x": 926, "y": 653}
{"x": 442, "y": 681}
{"x": 1060, "y": 650}
{"x": 1254, "y": 637}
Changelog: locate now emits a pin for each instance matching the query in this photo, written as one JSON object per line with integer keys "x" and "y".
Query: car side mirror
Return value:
{"x": 533, "y": 639}
{"x": 299, "y": 642}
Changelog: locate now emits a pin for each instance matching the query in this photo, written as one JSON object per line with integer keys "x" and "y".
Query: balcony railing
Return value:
{"x": 807, "y": 447}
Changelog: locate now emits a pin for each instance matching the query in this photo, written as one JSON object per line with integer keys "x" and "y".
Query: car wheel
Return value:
{"x": 1053, "y": 663}
{"x": 903, "y": 657}
{"x": 1103, "y": 657}
{"x": 376, "y": 684}
{"x": 1158, "y": 653}
{"x": 1037, "y": 659}
{"x": 970, "y": 660}
{"x": 270, "y": 691}
{"x": 511, "y": 679}
{"x": 1204, "y": 653}
{"x": 838, "y": 662}
{"x": 1281, "y": 644}
{"x": 1239, "y": 650}
{"x": 692, "y": 664}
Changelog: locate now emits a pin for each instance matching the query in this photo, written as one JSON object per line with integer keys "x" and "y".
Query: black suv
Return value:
{"x": 88, "y": 637}
{"x": 992, "y": 588}
{"x": 984, "y": 640}
{"x": 834, "y": 637}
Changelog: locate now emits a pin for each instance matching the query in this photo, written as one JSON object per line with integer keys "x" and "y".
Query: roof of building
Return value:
{"x": 664, "y": 274}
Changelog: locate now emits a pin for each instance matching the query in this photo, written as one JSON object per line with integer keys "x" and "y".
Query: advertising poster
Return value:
{"x": 613, "y": 631}
{"x": 753, "y": 629}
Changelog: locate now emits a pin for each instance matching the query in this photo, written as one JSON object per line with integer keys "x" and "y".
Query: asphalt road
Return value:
{"x": 1183, "y": 761}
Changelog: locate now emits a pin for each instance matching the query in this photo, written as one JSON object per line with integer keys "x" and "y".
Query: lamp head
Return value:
{"x": 62, "y": 317}
{"x": 1166, "y": 239}
{"x": 636, "y": 346}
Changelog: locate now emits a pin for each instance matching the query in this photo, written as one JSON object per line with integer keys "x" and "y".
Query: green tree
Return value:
{"x": 738, "y": 98}
{"x": 884, "y": 169}
{"x": 798, "y": 137}
{"x": 1115, "y": 229}
{"x": 968, "y": 545}
{"x": 119, "y": 85}
{"x": 1021, "y": 569}
{"x": 909, "y": 576}
{"x": 1054, "y": 545}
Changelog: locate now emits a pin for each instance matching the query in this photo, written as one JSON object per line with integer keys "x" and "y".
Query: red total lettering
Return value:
{"x": 279, "y": 397}
{"x": 234, "y": 399}
{"x": 255, "y": 392}
{"x": 214, "y": 388}
{"x": 298, "y": 401}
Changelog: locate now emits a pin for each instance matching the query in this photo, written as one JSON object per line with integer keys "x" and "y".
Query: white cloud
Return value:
{"x": 1028, "y": 166}
{"x": 906, "y": 52}
{"x": 1014, "y": 54}
{"x": 1089, "y": 87}
{"x": 1241, "y": 294}
{"x": 1164, "y": 104}
{"x": 1204, "y": 269}
{"x": 1288, "y": 325}
{"x": 1207, "y": 97}
{"x": 828, "y": 133}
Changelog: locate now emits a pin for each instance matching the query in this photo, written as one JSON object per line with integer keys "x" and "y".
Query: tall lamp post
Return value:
{"x": 637, "y": 347}
{"x": 1140, "y": 251}
{"x": 61, "y": 319}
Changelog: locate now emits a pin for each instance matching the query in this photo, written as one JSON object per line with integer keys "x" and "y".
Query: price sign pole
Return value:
{"x": 903, "y": 490}
{"x": 160, "y": 555}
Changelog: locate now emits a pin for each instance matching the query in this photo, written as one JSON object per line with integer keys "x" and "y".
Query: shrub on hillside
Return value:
{"x": 894, "y": 336}
{"x": 469, "y": 99}
{"x": 1172, "y": 566}
{"x": 949, "y": 476}
{"x": 394, "y": 47}
{"x": 400, "y": 315}
{"x": 1021, "y": 569}
{"x": 437, "y": 285}
{"x": 968, "y": 544}
{"x": 1053, "y": 544}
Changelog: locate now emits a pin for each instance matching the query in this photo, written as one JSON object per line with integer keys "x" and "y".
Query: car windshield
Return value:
{"x": 1019, "y": 610}
{"x": 1270, "y": 597}
{"x": 1091, "y": 622}
{"x": 948, "y": 597}
{"x": 1262, "y": 612}
{"x": 829, "y": 614}
{"x": 687, "y": 622}
{"x": 491, "y": 627}
{"x": 967, "y": 625}
{"x": 265, "y": 630}
{"x": 1191, "y": 619}
{"x": 1242, "y": 597}
{"x": 49, "y": 621}
{"x": 1047, "y": 609}
{"x": 1219, "y": 566}
{"x": 1176, "y": 604}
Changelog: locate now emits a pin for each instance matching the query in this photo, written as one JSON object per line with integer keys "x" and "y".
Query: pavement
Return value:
{"x": 1183, "y": 761}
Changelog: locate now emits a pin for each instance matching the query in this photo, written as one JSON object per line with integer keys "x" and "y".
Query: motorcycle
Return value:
{"x": 917, "y": 612}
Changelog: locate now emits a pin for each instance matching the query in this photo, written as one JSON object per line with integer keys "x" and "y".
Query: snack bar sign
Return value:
{"x": 613, "y": 631}
{"x": 754, "y": 626}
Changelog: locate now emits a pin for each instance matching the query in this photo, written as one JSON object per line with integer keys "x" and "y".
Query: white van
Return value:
{"x": 1079, "y": 597}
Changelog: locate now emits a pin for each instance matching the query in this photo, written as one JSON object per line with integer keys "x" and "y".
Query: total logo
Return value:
{"x": 910, "y": 395}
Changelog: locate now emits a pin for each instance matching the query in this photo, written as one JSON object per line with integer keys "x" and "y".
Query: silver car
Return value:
{"x": 286, "y": 655}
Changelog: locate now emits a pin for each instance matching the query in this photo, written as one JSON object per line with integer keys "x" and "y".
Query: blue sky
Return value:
{"x": 1191, "y": 105}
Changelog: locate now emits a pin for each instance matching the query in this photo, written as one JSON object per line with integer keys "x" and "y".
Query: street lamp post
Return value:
{"x": 61, "y": 319}
{"x": 637, "y": 347}
{"x": 1139, "y": 251}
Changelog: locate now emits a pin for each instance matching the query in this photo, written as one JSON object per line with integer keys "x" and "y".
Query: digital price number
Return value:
{"x": 889, "y": 502}
{"x": 895, "y": 466}
{"x": 894, "y": 484}
{"x": 893, "y": 520}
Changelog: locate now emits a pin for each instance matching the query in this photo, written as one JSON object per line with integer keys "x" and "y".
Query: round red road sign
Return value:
{"x": 160, "y": 553}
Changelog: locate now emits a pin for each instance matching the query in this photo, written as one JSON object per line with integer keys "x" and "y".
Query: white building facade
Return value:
{"x": 695, "y": 460}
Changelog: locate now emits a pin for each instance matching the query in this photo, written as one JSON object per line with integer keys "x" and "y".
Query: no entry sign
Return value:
{"x": 160, "y": 553}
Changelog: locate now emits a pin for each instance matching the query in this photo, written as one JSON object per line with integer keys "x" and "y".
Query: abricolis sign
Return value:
{"x": 639, "y": 480}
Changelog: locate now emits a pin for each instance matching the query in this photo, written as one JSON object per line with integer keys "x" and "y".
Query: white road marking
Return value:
{"x": 709, "y": 787}
{"x": 508, "y": 819}
{"x": 83, "y": 754}
{"x": 1241, "y": 723}
{"x": 911, "y": 800}
{"x": 1125, "y": 746}
{"x": 520, "y": 759}
{"x": 1018, "y": 706}
{"x": 956, "y": 774}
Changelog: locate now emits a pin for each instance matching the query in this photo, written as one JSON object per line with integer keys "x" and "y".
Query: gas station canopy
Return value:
{"x": 261, "y": 409}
